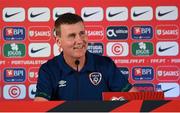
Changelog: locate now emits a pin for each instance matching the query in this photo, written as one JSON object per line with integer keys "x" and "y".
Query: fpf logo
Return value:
{"x": 117, "y": 48}
{"x": 167, "y": 32}
{"x": 39, "y": 33}
{"x": 168, "y": 73}
{"x": 96, "y": 48}
{"x": 14, "y": 75}
{"x": 95, "y": 33}
{"x": 142, "y": 73}
{"x": 14, "y": 33}
{"x": 33, "y": 74}
{"x": 14, "y": 91}
{"x": 142, "y": 32}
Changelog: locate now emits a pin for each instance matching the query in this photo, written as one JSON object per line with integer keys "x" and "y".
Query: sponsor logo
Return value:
{"x": 167, "y": 48}
{"x": 14, "y": 91}
{"x": 62, "y": 83}
{"x": 33, "y": 74}
{"x": 141, "y": 13}
{"x": 13, "y": 14}
{"x": 35, "y": 15}
{"x": 117, "y": 32}
{"x": 118, "y": 98}
{"x": 168, "y": 73}
{"x": 14, "y": 33}
{"x": 142, "y": 73}
{"x": 92, "y": 14}
{"x": 14, "y": 50}
{"x": 95, "y": 78}
{"x": 32, "y": 91}
{"x": 39, "y": 49}
{"x": 39, "y": 14}
{"x": 146, "y": 87}
{"x": 95, "y": 33}
{"x": 124, "y": 71}
{"x": 142, "y": 49}
{"x": 61, "y": 10}
{"x": 142, "y": 32}
{"x": 167, "y": 32}
{"x": 96, "y": 48}
{"x": 117, "y": 49}
{"x": 169, "y": 89}
{"x": 14, "y": 75}
{"x": 117, "y": 13}
{"x": 39, "y": 33}
{"x": 166, "y": 13}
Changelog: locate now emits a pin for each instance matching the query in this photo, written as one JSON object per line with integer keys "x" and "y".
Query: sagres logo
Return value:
{"x": 142, "y": 48}
{"x": 39, "y": 33}
{"x": 57, "y": 11}
{"x": 32, "y": 91}
{"x": 14, "y": 75}
{"x": 142, "y": 32}
{"x": 167, "y": 13}
{"x": 117, "y": 13}
{"x": 14, "y": 33}
{"x": 117, "y": 49}
{"x": 92, "y": 13}
{"x": 14, "y": 50}
{"x": 39, "y": 50}
{"x": 167, "y": 32}
{"x": 168, "y": 73}
{"x": 13, "y": 14}
{"x": 95, "y": 33}
{"x": 33, "y": 74}
{"x": 96, "y": 48}
{"x": 15, "y": 91}
{"x": 124, "y": 71}
{"x": 144, "y": 87}
{"x": 167, "y": 48}
{"x": 169, "y": 89}
{"x": 142, "y": 73}
{"x": 39, "y": 14}
{"x": 117, "y": 32}
{"x": 141, "y": 13}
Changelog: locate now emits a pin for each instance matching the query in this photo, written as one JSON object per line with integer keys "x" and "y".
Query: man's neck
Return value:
{"x": 71, "y": 62}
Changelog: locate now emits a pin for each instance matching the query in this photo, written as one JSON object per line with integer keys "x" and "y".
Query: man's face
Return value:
{"x": 73, "y": 40}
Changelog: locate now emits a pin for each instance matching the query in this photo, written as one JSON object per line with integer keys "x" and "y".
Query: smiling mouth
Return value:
{"x": 79, "y": 47}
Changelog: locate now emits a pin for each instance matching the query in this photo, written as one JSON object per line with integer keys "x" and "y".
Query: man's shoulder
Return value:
{"x": 101, "y": 59}
{"x": 53, "y": 62}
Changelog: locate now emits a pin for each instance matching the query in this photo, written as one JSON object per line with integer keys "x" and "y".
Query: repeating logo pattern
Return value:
{"x": 131, "y": 35}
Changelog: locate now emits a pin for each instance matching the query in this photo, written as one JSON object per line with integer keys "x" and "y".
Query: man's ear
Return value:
{"x": 58, "y": 41}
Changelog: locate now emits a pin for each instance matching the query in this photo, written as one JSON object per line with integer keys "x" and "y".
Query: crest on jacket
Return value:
{"x": 95, "y": 78}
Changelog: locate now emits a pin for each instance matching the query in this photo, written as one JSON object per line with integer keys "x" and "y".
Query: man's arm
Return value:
{"x": 40, "y": 99}
{"x": 133, "y": 89}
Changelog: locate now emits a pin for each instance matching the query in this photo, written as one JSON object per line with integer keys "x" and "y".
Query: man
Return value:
{"x": 77, "y": 74}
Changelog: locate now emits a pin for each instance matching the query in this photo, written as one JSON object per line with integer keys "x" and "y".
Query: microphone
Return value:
{"x": 77, "y": 62}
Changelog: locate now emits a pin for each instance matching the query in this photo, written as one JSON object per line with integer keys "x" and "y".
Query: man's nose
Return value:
{"x": 78, "y": 38}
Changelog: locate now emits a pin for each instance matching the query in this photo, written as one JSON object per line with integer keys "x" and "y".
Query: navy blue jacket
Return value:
{"x": 58, "y": 81}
